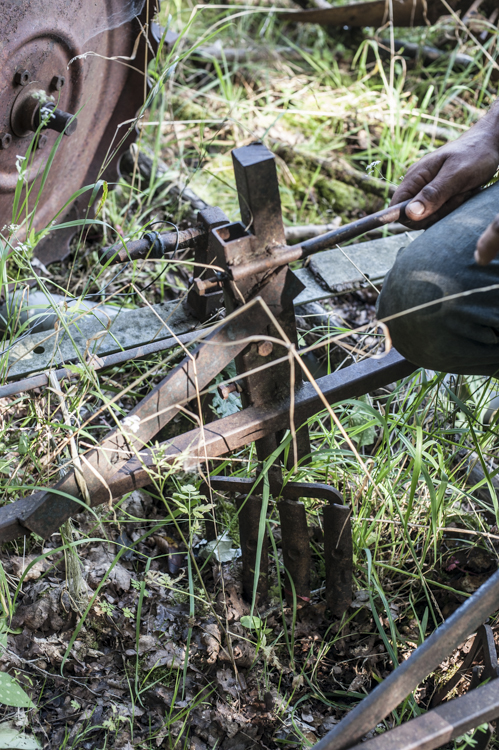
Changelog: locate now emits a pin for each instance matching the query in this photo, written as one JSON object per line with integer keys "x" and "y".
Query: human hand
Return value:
{"x": 443, "y": 180}
{"x": 488, "y": 245}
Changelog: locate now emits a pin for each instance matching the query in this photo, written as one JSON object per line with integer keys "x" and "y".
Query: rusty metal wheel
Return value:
{"x": 91, "y": 59}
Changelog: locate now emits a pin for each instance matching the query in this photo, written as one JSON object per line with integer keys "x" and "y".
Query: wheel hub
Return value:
{"x": 55, "y": 62}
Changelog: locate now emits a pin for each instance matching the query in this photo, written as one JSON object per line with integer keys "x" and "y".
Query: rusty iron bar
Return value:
{"x": 442, "y": 724}
{"x": 156, "y": 245}
{"x": 153, "y": 245}
{"x": 403, "y": 680}
{"x": 405, "y": 13}
{"x": 284, "y": 255}
{"x": 290, "y": 490}
{"x": 213, "y": 440}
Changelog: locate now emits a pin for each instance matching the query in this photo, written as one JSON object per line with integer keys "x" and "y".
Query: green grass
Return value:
{"x": 413, "y": 513}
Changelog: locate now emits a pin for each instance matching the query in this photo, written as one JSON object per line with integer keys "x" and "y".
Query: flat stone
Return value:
{"x": 95, "y": 335}
{"x": 348, "y": 268}
{"x": 313, "y": 291}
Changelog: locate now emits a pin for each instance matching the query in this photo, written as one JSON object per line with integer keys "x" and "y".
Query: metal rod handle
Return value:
{"x": 284, "y": 255}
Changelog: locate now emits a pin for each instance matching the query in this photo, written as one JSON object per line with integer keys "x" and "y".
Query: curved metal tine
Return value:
{"x": 250, "y": 509}
{"x": 296, "y": 553}
{"x": 483, "y": 739}
{"x": 338, "y": 556}
{"x": 483, "y": 642}
{"x": 491, "y": 665}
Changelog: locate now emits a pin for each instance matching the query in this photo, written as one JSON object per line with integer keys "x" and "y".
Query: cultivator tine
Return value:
{"x": 491, "y": 665}
{"x": 338, "y": 556}
{"x": 250, "y": 519}
{"x": 295, "y": 536}
{"x": 483, "y": 739}
{"x": 295, "y": 550}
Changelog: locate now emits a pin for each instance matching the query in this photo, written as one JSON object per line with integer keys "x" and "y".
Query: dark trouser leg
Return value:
{"x": 459, "y": 335}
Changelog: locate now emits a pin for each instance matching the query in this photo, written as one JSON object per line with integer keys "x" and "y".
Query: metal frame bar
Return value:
{"x": 219, "y": 437}
{"x": 442, "y": 724}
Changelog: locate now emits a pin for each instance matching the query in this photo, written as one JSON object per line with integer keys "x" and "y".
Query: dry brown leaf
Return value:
{"x": 211, "y": 638}
{"x": 169, "y": 656}
{"x": 19, "y": 565}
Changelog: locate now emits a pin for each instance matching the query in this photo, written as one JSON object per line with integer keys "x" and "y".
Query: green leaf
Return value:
{"x": 12, "y": 694}
{"x": 5, "y": 464}
{"x": 251, "y": 622}
{"x": 12, "y": 739}
{"x": 221, "y": 549}
{"x": 23, "y": 444}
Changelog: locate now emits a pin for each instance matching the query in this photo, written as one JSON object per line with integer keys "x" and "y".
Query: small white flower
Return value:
{"x": 372, "y": 167}
{"x": 133, "y": 423}
{"x": 20, "y": 166}
{"x": 42, "y": 96}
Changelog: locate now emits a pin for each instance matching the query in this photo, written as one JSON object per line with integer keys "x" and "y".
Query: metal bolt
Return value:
{"x": 42, "y": 141}
{"x": 224, "y": 391}
{"x": 48, "y": 116}
{"x": 22, "y": 77}
{"x": 5, "y": 140}
{"x": 206, "y": 286}
{"x": 265, "y": 348}
{"x": 57, "y": 83}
